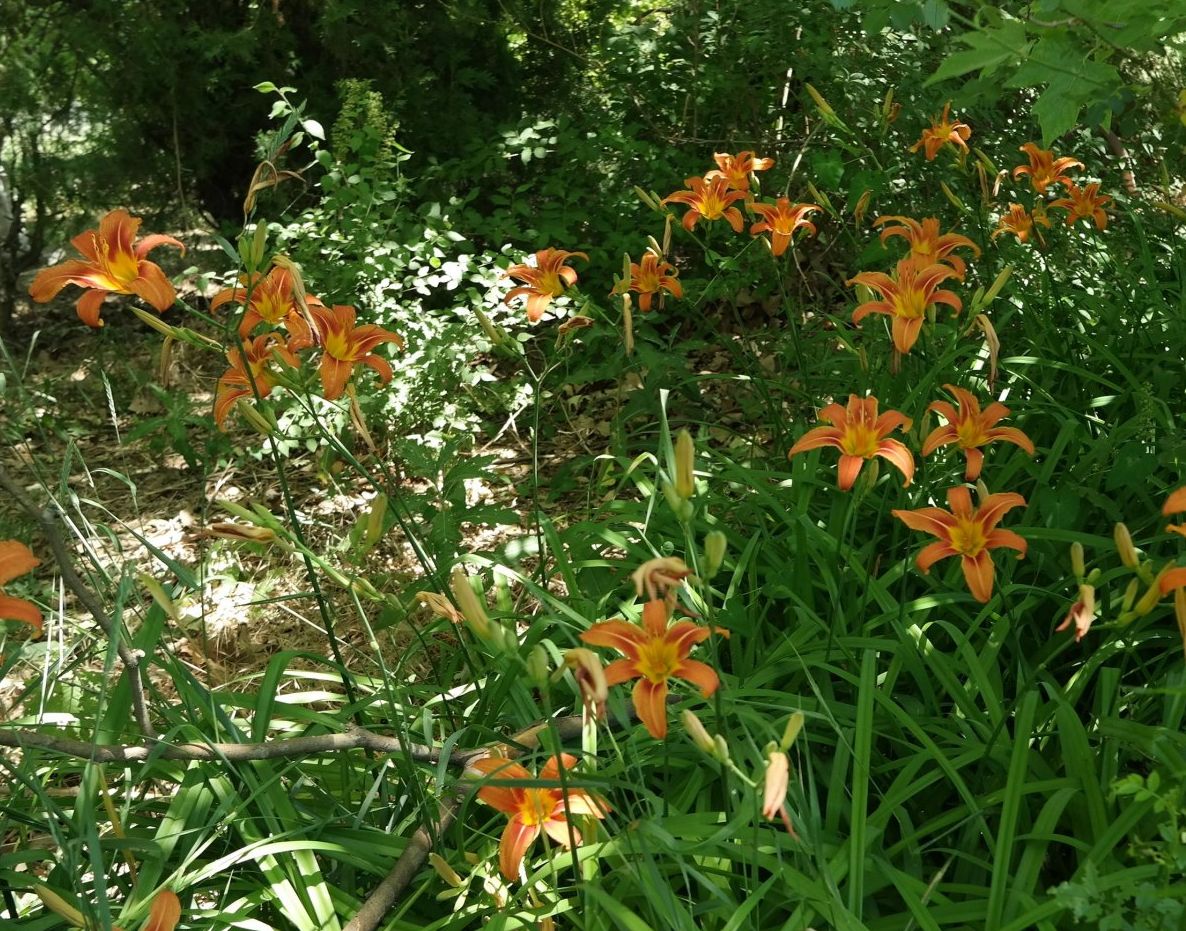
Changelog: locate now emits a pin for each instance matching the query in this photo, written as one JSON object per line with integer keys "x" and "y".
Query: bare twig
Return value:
{"x": 351, "y": 739}
{"x": 47, "y": 521}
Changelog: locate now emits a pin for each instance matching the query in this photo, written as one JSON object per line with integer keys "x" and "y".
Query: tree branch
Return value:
{"x": 352, "y": 738}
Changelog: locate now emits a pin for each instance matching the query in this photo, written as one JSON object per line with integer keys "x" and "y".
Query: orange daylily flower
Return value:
{"x": 780, "y": 221}
{"x": 235, "y": 382}
{"x": 544, "y": 280}
{"x": 1044, "y": 169}
{"x": 972, "y": 428}
{"x": 966, "y": 533}
{"x": 906, "y": 296}
{"x": 710, "y": 199}
{"x": 736, "y": 169}
{"x": 270, "y": 299}
{"x": 1086, "y": 203}
{"x": 535, "y": 808}
{"x": 651, "y": 276}
{"x": 927, "y": 243}
{"x": 860, "y": 434}
{"x": 346, "y": 345}
{"x": 1020, "y": 223}
{"x": 1175, "y": 504}
{"x": 112, "y": 263}
{"x": 164, "y": 913}
{"x": 654, "y": 654}
{"x": 942, "y": 131}
{"x": 16, "y": 560}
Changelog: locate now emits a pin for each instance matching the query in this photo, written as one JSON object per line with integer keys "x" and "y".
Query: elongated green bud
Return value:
{"x": 715, "y": 546}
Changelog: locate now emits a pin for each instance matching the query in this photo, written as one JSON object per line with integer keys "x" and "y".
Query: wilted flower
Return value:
{"x": 781, "y": 220}
{"x": 905, "y": 297}
{"x": 440, "y": 606}
{"x": 1086, "y": 203}
{"x": 112, "y": 263}
{"x": 1020, "y": 223}
{"x": 534, "y": 808}
{"x": 1044, "y": 169}
{"x": 654, "y": 654}
{"x": 943, "y": 130}
{"x": 346, "y": 345}
{"x": 970, "y": 429}
{"x": 860, "y": 434}
{"x": 926, "y": 243}
{"x": 656, "y": 577}
{"x": 967, "y": 533}
{"x": 1082, "y": 613}
{"x": 16, "y": 560}
{"x": 736, "y": 169}
{"x": 711, "y": 200}
{"x": 590, "y": 675}
{"x": 543, "y": 281}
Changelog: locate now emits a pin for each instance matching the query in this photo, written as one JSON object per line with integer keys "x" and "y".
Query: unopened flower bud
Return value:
{"x": 715, "y": 546}
{"x": 778, "y": 776}
{"x": 1077, "y": 564}
{"x": 445, "y": 871}
{"x": 685, "y": 465}
{"x": 1128, "y": 552}
{"x": 587, "y": 670}
{"x": 794, "y": 725}
{"x": 244, "y": 533}
{"x": 647, "y": 199}
{"x": 471, "y": 608}
{"x": 493, "y": 333}
{"x": 819, "y": 197}
{"x": 1082, "y": 613}
{"x": 258, "y": 244}
{"x": 952, "y": 198}
{"x": 697, "y": 732}
{"x": 537, "y": 667}
{"x": 1149, "y": 600}
{"x": 155, "y": 322}
{"x": 257, "y": 421}
{"x": 1130, "y": 596}
{"x": 982, "y": 491}
{"x": 997, "y": 284}
{"x": 722, "y": 748}
{"x": 823, "y": 105}
{"x": 375, "y": 520}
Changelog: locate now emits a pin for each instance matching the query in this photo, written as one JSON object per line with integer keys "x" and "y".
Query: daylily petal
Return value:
{"x": 650, "y": 701}
{"x": 17, "y": 609}
{"x": 334, "y": 375}
{"x": 848, "y": 470}
{"x": 978, "y": 572}
{"x": 932, "y": 553}
{"x": 617, "y": 635}
{"x": 89, "y": 306}
{"x": 620, "y": 670}
{"x": 1008, "y": 539}
{"x": 153, "y": 286}
{"x": 701, "y": 675}
{"x": 16, "y": 559}
{"x": 516, "y": 838}
{"x": 900, "y": 456}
